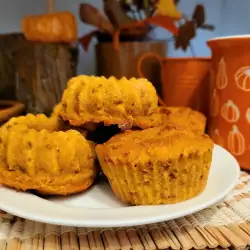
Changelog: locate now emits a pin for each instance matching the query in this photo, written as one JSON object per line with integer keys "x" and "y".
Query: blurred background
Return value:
{"x": 228, "y": 16}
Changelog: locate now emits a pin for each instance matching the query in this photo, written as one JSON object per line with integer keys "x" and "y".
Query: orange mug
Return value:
{"x": 185, "y": 81}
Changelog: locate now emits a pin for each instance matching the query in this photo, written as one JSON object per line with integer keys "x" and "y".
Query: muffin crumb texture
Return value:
{"x": 156, "y": 166}
{"x": 126, "y": 102}
{"x": 36, "y": 155}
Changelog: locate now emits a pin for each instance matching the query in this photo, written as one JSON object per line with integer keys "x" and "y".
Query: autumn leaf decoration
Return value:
{"x": 161, "y": 21}
{"x": 161, "y": 13}
{"x": 85, "y": 40}
{"x": 168, "y": 8}
{"x": 165, "y": 16}
{"x": 187, "y": 31}
{"x": 92, "y": 16}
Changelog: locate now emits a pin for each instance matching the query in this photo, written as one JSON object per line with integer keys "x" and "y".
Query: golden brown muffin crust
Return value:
{"x": 184, "y": 116}
{"x": 156, "y": 166}
{"x": 109, "y": 100}
{"x": 46, "y": 160}
{"x": 155, "y": 144}
{"x": 177, "y": 116}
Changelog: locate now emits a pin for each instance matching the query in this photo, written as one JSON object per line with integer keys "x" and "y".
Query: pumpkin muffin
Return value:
{"x": 125, "y": 102}
{"x": 35, "y": 155}
{"x": 160, "y": 165}
{"x": 64, "y": 125}
{"x": 182, "y": 117}
{"x": 56, "y": 110}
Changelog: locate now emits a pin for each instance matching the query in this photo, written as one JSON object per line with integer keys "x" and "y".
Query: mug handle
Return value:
{"x": 139, "y": 68}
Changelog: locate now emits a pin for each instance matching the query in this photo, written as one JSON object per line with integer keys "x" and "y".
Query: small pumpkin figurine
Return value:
{"x": 242, "y": 79}
{"x": 50, "y": 28}
{"x": 221, "y": 77}
{"x": 230, "y": 112}
{"x": 215, "y": 104}
{"x": 236, "y": 142}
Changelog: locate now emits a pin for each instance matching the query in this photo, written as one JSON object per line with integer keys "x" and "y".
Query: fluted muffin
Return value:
{"x": 160, "y": 165}
{"x": 56, "y": 110}
{"x": 125, "y": 102}
{"x": 34, "y": 155}
{"x": 64, "y": 125}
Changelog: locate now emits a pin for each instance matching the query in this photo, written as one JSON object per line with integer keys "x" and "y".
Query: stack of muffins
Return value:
{"x": 149, "y": 154}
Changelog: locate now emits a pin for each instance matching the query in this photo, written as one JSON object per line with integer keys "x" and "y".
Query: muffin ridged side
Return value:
{"x": 45, "y": 160}
{"x": 125, "y": 102}
{"x": 156, "y": 166}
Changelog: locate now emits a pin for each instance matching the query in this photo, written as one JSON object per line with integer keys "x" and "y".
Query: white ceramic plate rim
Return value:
{"x": 114, "y": 217}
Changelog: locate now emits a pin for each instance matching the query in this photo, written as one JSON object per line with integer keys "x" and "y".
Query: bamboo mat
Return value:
{"x": 225, "y": 225}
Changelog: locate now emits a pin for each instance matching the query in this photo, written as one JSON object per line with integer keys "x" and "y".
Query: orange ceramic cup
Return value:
{"x": 185, "y": 81}
{"x": 229, "y": 117}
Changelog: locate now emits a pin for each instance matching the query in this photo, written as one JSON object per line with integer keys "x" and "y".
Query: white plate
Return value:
{"x": 98, "y": 207}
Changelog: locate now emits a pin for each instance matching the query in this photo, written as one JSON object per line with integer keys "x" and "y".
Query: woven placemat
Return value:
{"x": 225, "y": 225}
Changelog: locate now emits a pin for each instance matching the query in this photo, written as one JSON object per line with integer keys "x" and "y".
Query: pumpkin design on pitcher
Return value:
{"x": 242, "y": 78}
{"x": 236, "y": 142}
{"x": 221, "y": 77}
{"x": 230, "y": 112}
{"x": 248, "y": 115}
{"x": 212, "y": 78}
{"x": 215, "y": 104}
{"x": 217, "y": 138}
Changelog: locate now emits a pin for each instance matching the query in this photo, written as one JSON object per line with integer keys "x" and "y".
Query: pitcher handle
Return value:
{"x": 139, "y": 68}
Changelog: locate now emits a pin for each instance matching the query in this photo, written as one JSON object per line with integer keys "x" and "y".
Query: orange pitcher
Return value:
{"x": 229, "y": 116}
{"x": 185, "y": 81}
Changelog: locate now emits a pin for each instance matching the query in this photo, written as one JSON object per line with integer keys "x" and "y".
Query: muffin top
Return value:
{"x": 184, "y": 116}
{"x": 176, "y": 116}
{"x": 155, "y": 144}
{"x": 36, "y": 122}
{"x": 36, "y": 144}
{"x": 109, "y": 100}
